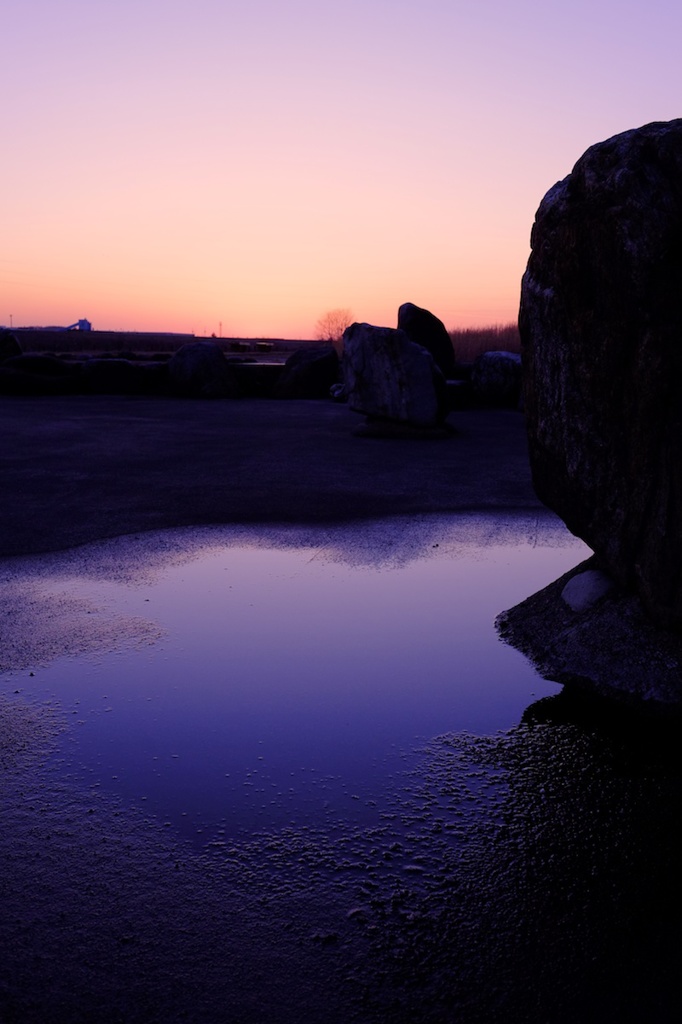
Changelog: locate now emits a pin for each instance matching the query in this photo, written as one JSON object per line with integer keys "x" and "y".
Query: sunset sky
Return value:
{"x": 242, "y": 166}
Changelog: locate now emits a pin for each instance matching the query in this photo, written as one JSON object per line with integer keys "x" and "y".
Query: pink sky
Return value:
{"x": 182, "y": 164}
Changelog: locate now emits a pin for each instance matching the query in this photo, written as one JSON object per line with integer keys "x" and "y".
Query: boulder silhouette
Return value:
{"x": 601, "y": 333}
{"x": 388, "y": 377}
{"x": 496, "y": 378}
{"x": 309, "y": 373}
{"x": 200, "y": 370}
{"x": 9, "y": 345}
{"x": 423, "y": 328}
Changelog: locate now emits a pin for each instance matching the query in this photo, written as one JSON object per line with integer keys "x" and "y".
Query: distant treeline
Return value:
{"x": 469, "y": 342}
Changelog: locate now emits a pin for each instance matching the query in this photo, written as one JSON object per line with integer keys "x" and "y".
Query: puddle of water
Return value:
{"x": 288, "y": 681}
{"x": 267, "y": 694}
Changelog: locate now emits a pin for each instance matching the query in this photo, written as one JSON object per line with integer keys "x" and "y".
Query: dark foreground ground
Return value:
{"x": 530, "y": 877}
{"x": 77, "y": 469}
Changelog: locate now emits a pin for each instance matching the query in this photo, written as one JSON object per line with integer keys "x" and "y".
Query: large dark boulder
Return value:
{"x": 122, "y": 377}
{"x": 44, "y": 365}
{"x": 109, "y": 377}
{"x": 20, "y": 382}
{"x": 496, "y": 378}
{"x": 309, "y": 373}
{"x": 254, "y": 379}
{"x": 35, "y": 374}
{"x": 388, "y": 377}
{"x": 423, "y": 328}
{"x": 601, "y": 332}
{"x": 9, "y": 345}
{"x": 200, "y": 370}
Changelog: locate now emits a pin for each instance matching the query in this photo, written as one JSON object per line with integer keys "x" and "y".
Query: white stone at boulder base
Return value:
{"x": 584, "y": 590}
{"x": 612, "y": 649}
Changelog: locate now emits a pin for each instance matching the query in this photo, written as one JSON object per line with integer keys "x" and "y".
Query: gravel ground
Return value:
{"x": 77, "y": 469}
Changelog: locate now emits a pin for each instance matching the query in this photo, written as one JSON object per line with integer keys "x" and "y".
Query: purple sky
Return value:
{"x": 212, "y": 165}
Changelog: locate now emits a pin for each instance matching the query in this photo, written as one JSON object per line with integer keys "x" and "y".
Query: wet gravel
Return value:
{"x": 530, "y": 876}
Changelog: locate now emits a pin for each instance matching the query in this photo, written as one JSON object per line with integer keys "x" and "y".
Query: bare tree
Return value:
{"x": 331, "y": 325}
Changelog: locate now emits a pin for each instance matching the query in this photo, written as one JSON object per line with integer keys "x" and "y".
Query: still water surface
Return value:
{"x": 290, "y": 675}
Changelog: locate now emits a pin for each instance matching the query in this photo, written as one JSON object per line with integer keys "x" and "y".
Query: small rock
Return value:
{"x": 584, "y": 590}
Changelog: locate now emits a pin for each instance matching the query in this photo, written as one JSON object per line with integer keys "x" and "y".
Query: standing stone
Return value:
{"x": 122, "y": 377}
{"x": 9, "y": 345}
{"x": 601, "y": 332}
{"x": 200, "y": 370}
{"x": 389, "y": 377}
{"x": 309, "y": 373}
{"x": 496, "y": 378}
{"x": 43, "y": 365}
{"x": 425, "y": 329}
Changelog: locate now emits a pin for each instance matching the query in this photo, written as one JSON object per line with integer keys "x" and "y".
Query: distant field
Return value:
{"x": 467, "y": 342}
{"x": 123, "y": 343}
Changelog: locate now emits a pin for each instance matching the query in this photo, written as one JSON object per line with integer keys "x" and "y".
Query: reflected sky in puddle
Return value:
{"x": 291, "y": 675}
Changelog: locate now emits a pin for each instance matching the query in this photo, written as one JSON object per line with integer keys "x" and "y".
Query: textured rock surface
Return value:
{"x": 423, "y": 328}
{"x": 389, "y": 377}
{"x": 200, "y": 370}
{"x": 604, "y": 646}
{"x": 496, "y": 378}
{"x": 601, "y": 331}
{"x": 309, "y": 373}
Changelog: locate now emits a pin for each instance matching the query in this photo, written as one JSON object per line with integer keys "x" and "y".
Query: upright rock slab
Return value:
{"x": 425, "y": 329}
{"x": 601, "y": 333}
{"x": 200, "y": 370}
{"x": 496, "y": 378}
{"x": 390, "y": 378}
{"x": 309, "y": 373}
{"x": 9, "y": 345}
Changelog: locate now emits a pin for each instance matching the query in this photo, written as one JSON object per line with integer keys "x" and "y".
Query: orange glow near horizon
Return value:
{"x": 254, "y": 166}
